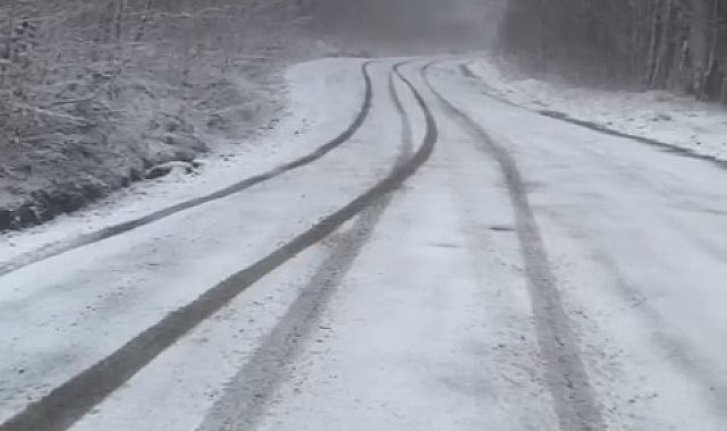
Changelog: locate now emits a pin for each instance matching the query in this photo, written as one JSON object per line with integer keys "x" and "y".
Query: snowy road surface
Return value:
{"x": 426, "y": 258}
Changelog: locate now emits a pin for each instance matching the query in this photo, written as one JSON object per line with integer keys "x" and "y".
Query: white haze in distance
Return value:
{"x": 407, "y": 24}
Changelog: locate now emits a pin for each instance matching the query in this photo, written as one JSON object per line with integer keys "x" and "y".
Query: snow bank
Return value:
{"x": 672, "y": 119}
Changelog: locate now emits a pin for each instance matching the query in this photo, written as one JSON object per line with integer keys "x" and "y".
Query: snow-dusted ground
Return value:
{"x": 109, "y": 294}
{"x": 430, "y": 329}
{"x": 443, "y": 306}
{"x": 303, "y": 127}
{"x": 79, "y": 126}
{"x": 634, "y": 237}
{"x": 666, "y": 117}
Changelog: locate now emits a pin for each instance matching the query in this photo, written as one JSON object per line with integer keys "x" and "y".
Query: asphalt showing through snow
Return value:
{"x": 244, "y": 403}
{"x": 66, "y": 404}
{"x": 572, "y": 393}
{"x": 52, "y": 250}
{"x": 567, "y": 380}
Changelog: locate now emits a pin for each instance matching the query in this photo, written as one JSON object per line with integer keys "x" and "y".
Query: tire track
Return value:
{"x": 565, "y": 374}
{"x": 249, "y": 392}
{"x": 69, "y": 402}
{"x": 406, "y": 126}
{"x": 53, "y": 250}
{"x": 562, "y": 116}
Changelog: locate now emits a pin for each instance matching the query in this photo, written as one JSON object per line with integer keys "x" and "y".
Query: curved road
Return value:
{"x": 443, "y": 261}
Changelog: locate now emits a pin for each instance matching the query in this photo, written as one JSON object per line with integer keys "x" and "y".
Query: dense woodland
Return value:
{"x": 674, "y": 44}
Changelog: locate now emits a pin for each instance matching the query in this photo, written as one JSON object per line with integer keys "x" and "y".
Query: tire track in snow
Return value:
{"x": 565, "y": 374}
{"x": 67, "y": 403}
{"x": 248, "y": 393}
{"x": 562, "y": 116}
{"x": 47, "y": 252}
{"x": 679, "y": 351}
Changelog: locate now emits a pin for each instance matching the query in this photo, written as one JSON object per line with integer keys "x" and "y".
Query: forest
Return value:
{"x": 671, "y": 44}
{"x": 97, "y": 94}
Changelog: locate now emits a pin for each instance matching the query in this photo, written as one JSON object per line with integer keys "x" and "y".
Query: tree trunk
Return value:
{"x": 699, "y": 44}
{"x": 11, "y": 30}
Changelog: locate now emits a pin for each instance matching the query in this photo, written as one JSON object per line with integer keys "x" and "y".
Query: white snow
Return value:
{"x": 673, "y": 119}
{"x": 303, "y": 127}
{"x": 432, "y": 327}
{"x": 634, "y": 236}
{"x": 223, "y": 344}
{"x": 99, "y": 296}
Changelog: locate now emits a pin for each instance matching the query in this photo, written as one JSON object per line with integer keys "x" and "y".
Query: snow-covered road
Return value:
{"x": 449, "y": 262}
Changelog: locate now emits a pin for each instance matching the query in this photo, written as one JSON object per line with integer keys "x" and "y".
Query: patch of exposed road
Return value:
{"x": 567, "y": 380}
{"x": 244, "y": 403}
{"x": 69, "y": 402}
{"x": 112, "y": 231}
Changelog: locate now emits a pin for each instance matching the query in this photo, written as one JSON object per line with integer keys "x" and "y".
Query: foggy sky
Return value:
{"x": 458, "y": 23}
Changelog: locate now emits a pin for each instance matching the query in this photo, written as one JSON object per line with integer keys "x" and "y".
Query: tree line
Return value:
{"x": 60, "y": 57}
{"x": 674, "y": 44}
{"x": 43, "y": 41}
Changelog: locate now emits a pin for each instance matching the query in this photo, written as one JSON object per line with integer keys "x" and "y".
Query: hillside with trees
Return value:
{"x": 673, "y": 44}
{"x": 97, "y": 94}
